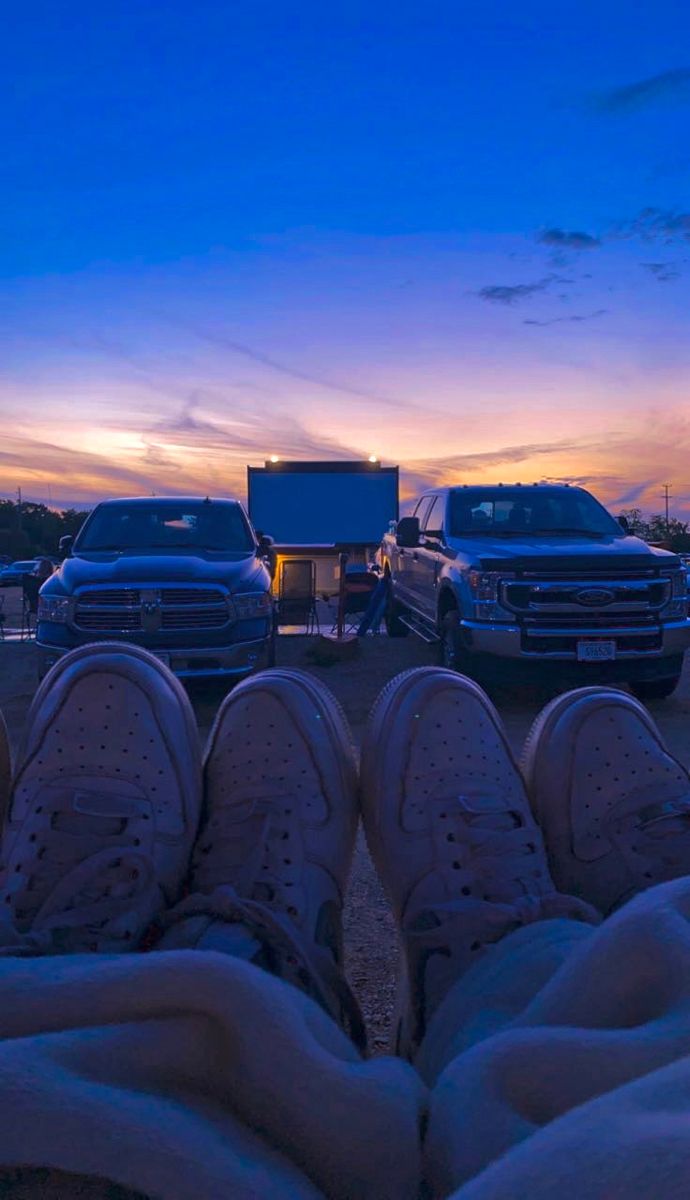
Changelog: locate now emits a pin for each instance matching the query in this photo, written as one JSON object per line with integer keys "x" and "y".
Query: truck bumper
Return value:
{"x": 658, "y": 653}
{"x": 235, "y": 661}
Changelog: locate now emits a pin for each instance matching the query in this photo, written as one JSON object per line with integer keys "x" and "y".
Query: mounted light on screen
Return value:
{"x": 373, "y": 458}
{"x": 274, "y": 458}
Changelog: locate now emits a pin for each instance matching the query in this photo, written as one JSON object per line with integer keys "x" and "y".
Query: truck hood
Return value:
{"x": 572, "y": 553}
{"x": 240, "y": 573}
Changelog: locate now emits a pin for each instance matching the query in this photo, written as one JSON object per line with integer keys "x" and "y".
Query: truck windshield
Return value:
{"x": 163, "y": 525}
{"x": 526, "y": 511}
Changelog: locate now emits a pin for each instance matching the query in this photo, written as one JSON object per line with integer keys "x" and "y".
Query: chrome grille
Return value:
{"x": 586, "y": 601}
{"x": 151, "y": 609}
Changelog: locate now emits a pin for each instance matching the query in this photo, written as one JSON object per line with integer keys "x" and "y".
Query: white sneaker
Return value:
{"x": 613, "y": 803}
{"x": 450, "y": 830}
{"x": 272, "y": 860}
{"x": 105, "y": 802}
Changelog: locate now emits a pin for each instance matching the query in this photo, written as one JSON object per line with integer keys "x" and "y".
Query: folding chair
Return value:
{"x": 30, "y": 588}
{"x": 297, "y": 594}
{"x": 358, "y": 586}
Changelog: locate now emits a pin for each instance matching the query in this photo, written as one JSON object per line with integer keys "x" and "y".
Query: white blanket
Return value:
{"x": 191, "y": 1074}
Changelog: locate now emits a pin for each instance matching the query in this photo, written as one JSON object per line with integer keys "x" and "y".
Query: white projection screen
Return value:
{"x": 323, "y": 504}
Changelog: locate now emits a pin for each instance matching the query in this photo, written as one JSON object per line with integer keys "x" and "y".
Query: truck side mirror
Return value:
{"x": 408, "y": 532}
{"x": 624, "y": 524}
{"x": 265, "y": 545}
{"x": 65, "y": 545}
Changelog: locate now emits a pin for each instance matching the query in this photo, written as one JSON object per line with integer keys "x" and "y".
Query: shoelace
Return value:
{"x": 92, "y": 902}
{"x": 448, "y": 930}
{"x": 285, "y": 953}
{"x": 251, "y": 846}
{"x": 492, "y": 837}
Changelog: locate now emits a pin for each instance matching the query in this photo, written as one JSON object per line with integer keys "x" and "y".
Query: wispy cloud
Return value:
{"x": 514, "y": 293}
{"x": 568, "y": 239}
{"x": 655, "y": 225}
{"x": 662, "y": 271}
{"x": 577, "y": 317}
{"x": 673, "y": 85}
{"x": 225, "y": 341}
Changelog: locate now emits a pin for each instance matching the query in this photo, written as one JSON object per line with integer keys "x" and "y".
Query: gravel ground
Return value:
{"x": 369, "y": 929}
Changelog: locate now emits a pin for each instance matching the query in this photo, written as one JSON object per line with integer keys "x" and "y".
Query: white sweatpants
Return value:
{"x": 558, "y": 1067}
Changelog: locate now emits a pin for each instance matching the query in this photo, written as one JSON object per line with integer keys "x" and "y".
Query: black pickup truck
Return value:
{"x": 186, "y": 578}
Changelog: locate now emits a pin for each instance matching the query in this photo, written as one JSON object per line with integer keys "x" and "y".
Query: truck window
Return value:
{"x": 433, "y": 520}
{"x": 422, "y": 509}
{"x": 165, "y": 525}
{"x": 541, "y": 511}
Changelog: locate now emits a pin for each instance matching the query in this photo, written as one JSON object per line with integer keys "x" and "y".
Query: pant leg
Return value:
{"x": 586, "y": 1091}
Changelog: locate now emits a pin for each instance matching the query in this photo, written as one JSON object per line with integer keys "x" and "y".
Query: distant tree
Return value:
{"x": 33, "y": 529}
{"x": 636, "y": 521}
{"x": 676, "y": 535}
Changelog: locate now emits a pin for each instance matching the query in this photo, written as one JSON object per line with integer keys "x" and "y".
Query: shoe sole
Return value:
{"x": 387, "y": 734}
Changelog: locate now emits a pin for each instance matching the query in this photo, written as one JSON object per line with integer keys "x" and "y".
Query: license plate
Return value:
{"x": 601, "y": 651}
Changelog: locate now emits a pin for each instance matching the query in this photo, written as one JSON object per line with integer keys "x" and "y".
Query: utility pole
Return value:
{"x": 19, "y": 509}
{"x": 667, "y": 489}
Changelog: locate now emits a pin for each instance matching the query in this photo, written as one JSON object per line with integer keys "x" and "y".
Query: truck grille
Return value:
{"x": 151, "y": 610}
{"x": 586, "y": 601}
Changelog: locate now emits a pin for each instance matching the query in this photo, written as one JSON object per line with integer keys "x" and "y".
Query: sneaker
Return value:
{"x": 105, "y": 802}
{"x": 271, "y": 864}
{"x": 451, "y": 834}
{"x": 613, "y": 803}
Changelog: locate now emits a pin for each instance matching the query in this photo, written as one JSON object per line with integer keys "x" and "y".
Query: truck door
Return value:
{"x": 407, "y": 559}
{"x": 425, "y": 560}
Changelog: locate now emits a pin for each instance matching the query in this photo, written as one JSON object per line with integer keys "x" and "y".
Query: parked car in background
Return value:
{"x": 185, "y": 577}
{"x": 13, "y": 575}
{"x": 537, "y": 581}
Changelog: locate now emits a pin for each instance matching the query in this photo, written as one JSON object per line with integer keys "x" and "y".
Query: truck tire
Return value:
{"x": 454, "y": 655}
{"x": 394, "y": 626}
{"x": 655, "y": 689}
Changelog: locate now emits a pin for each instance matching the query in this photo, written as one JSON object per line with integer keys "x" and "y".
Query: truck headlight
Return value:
{"x": 54, "y": 608}
{"x": 677, "y": 606}
{"x": 486, "y": 595}
{"x": 250, "y": 605}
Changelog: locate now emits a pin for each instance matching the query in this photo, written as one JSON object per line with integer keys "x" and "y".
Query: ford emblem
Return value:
{"x": 595, "y": 597}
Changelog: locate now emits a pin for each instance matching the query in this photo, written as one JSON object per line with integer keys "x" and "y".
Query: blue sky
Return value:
{"x": 458, "y": 239}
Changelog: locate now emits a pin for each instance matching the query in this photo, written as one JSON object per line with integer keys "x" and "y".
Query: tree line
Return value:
{"x": 28, "y": 530}
{"x": 675, "y": 535}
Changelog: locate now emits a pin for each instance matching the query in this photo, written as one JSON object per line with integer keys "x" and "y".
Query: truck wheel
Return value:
{"x": 454, "y": 654}
{"x": 655, "y": 689}
{"x": 394, "y": 626}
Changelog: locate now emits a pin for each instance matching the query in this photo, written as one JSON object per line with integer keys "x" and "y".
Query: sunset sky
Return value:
{"x": 453, "y": 235}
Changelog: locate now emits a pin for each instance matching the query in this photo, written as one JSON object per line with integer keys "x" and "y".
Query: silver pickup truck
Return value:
{"x": 526, "y": 580}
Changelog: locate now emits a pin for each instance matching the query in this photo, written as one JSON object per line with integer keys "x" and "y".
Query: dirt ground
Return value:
{"x": 370, "y": 933}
